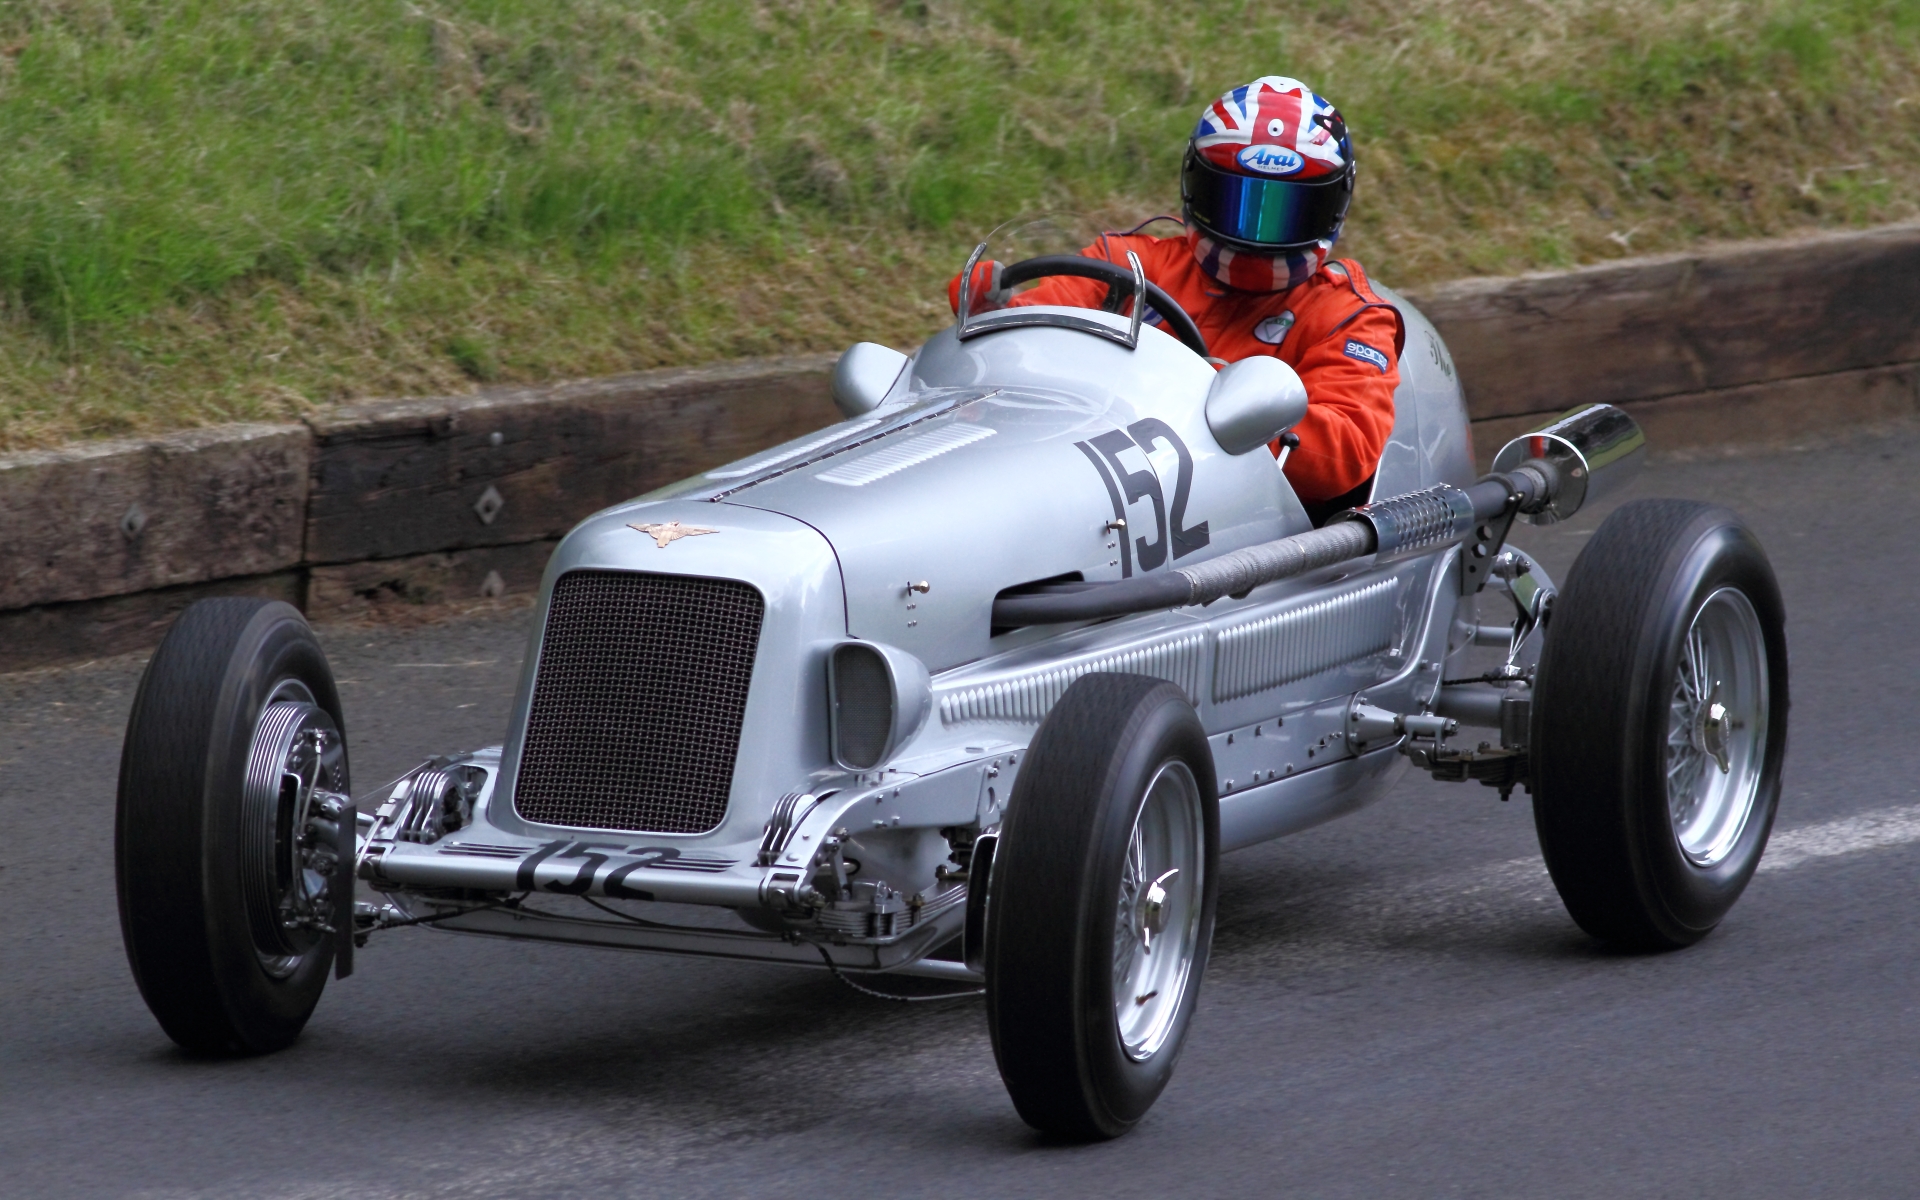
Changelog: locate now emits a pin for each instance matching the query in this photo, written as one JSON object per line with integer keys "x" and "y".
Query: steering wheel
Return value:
{"x": 1119, "y": 281}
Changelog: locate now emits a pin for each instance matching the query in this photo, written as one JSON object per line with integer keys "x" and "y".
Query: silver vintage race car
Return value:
{"x": 978, "y": 685}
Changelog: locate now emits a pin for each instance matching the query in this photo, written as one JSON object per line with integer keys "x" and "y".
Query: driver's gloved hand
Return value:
{"x": 988, "y": 292}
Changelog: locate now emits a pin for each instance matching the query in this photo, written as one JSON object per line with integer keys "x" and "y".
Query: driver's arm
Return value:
{"x": 1350, "y": 374}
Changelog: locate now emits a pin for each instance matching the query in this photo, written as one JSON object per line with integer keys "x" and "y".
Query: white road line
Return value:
{"x": 1786, "y": 848}
{"x": 1333, "y": 925}
{"x": 1874, "y": 830}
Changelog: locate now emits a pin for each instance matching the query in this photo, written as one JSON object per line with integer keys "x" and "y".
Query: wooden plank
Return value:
{"x": 1730, "y": 348}
{"x": 1685, "y": 323}
{"x": 1785, "y": 412}
{"x": 486, "y": 572}
{"x": 47, "y": 635}
{"x": 109, "y": 518}
{"x": 404, "y": 478}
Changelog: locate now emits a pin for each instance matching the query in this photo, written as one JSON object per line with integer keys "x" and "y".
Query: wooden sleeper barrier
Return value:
{"x": 101, "y": 544}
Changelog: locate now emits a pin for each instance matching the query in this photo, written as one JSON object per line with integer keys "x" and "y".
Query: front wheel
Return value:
{"x": 1660, "y": 723}
{"x": 1102, "y": 903}
{"x": 226, "y": 861}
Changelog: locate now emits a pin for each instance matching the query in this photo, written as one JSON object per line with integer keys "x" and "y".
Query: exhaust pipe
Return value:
{"x": 1595, "y": 449}
{"x": 1544, "y": 476}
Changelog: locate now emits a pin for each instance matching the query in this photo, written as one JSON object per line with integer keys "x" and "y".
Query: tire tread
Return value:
{"x": 1596, "y": 779}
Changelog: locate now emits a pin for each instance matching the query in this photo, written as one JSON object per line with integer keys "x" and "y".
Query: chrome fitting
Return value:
{"x": 1368, "y": 724}
{"x": 1417, "y": 521}
{"x": 1591, "y": 451}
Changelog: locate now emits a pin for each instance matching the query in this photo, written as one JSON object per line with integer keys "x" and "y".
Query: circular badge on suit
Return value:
{"x": 1273, "y": 330}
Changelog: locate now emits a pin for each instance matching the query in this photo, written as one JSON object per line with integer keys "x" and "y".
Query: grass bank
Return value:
{"x": 220, "y": 211}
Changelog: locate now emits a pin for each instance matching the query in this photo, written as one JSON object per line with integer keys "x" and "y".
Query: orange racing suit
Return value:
{"x": 1344, "y": 341}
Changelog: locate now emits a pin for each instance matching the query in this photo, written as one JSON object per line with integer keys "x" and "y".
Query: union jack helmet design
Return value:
{"x": 1274, "y": 126}
{"x": 1269, "y": 169}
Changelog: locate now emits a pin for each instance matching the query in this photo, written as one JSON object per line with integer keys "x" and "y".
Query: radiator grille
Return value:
{"x": 636, "y": 713}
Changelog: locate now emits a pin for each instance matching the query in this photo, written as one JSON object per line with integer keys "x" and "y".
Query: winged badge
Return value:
{"x": 671, "y": 531}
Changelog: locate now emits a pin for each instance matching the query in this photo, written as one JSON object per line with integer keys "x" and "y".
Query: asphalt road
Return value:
{"x": 1397, "y": 1006}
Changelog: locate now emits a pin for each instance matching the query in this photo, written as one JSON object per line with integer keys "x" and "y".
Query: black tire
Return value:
{"x": 195, "y": 860}
{"x": 1639, "y": 863}
{"x": 1053, "y": 919}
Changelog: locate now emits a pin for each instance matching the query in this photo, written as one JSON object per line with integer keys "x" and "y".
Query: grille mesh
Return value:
{"x": 636, "y": 713}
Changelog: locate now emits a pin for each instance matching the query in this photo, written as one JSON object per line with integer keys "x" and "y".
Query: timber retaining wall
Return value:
{"x": 102, "y": 543}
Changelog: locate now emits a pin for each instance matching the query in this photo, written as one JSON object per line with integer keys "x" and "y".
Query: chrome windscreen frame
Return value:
{"x": 970, "y": 326}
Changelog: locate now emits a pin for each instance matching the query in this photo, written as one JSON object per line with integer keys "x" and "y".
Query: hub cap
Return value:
{"x": 1717, "y": 728}
{"x": 297, "y": 755}
{"x": 1158, "y": 929}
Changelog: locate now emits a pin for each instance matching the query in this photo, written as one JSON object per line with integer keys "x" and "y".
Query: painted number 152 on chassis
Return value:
{"x": 978, "y": 685}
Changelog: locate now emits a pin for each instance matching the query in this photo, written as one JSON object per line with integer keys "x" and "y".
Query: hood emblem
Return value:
{"x": 671, "y": 531}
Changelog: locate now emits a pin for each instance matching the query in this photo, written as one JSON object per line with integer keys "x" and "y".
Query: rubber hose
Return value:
{"x": 1228, "y": 575}
{"x": 1143, "y": 593}
{"x": 1243, "y": 570}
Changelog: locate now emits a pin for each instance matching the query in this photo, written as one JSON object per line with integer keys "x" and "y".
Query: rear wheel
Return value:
{"x": 225, "y": 860}
{"x": 1660, "y": 723}
{"x": 1103, "y": 890}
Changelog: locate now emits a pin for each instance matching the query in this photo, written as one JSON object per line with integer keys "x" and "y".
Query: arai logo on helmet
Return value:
{"x": 1270, "y": 160}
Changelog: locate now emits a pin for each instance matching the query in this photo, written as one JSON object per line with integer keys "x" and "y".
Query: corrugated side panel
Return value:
{"x": 1286, "y": 647}
{"x": 1027, "y": 696}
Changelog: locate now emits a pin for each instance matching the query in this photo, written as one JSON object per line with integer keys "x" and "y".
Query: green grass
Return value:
{"x": 245, "y": 210}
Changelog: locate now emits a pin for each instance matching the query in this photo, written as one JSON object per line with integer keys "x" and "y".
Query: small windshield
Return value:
{"x": 1035, "y": 235}
{"x": 1024, "y": 238}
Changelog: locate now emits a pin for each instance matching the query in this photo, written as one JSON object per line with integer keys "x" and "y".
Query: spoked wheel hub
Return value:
{"x": 1717, "y": 727}
{"x": 296, "y": 773}
{"x": 1158, "y": 925}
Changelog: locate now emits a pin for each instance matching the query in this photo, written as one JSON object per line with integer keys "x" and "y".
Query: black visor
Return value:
{"x": 1270, "y": 214}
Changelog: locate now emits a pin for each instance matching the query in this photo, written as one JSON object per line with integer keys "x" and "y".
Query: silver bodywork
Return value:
{"x": 989, "y": 463}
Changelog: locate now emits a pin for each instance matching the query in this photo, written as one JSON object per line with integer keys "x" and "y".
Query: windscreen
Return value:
{"x": 1026, "y": 237}
{"x": 989, "y": 297}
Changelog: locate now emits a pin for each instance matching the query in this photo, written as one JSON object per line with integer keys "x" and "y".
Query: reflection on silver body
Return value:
{"x": 1254, "y": 401}
{"x": 1001, "y": 456}
{"x": 863, "y": 377}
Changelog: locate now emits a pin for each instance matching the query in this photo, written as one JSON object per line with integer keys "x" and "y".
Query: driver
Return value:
{"x": 1264, "y": 190}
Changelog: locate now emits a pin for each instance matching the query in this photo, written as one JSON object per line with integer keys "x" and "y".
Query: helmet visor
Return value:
{"x": 1277, "y": 213}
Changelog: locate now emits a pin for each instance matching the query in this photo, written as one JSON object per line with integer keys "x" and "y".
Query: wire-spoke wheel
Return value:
{"x": 226, "y": 858}
{"x": 1157, "y": 923}
{"x": 1101, "y": 912}
{"x": 1660, "y": 722}
{"x": 1717, "y": 728}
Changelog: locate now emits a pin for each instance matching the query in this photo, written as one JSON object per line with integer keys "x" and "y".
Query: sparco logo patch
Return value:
{"x": 1273, "y": 330}
{"x": 1367, "y": 354}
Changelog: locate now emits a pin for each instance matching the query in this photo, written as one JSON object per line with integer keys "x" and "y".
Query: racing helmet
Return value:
{"x": 1268, "y": 170}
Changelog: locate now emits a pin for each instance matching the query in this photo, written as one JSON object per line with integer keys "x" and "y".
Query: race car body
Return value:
{"x": 975, "y": 685}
